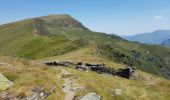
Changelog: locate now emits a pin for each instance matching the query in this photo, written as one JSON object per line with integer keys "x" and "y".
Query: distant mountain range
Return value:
{"x": 156, "y": 37}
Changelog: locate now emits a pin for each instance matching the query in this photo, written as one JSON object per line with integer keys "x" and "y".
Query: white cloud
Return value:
{"x": 158, "y": 17}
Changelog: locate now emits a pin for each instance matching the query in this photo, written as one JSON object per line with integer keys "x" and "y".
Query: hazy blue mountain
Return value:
{"x": 166, "y": 43}
{"x": 156, "y": 37}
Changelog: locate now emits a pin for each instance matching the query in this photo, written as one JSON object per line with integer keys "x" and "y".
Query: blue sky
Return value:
{"x": 124, "y": 17}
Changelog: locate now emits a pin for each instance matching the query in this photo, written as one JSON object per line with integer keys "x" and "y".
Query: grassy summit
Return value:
{"x": 55, "y": 35}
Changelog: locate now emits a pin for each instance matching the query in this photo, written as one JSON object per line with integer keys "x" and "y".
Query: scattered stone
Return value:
{"x": 39, "y": 94}
{"x": 5, "y": 96}
{"x": 4, "y": 83}
{"x": 90, "y": 96}
{"x": 67, "y": 87}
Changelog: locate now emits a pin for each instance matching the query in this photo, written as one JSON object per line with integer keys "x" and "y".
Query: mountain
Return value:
{"x": 26, "y": 45}
{"x": 52, "y": 35}
{"x": 156, "y": 37}
{"x": 56, "y": 35}
{"x": 166, "y": 43}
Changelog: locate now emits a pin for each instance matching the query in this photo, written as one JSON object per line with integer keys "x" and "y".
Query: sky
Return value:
{"x": 123, "y": 17}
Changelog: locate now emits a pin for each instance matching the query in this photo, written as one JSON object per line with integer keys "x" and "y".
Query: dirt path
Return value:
{"x": 67, "y": 87}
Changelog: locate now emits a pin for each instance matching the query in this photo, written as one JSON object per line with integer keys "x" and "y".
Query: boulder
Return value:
{"x": 91, "y": 96}
{"x": 4, "y": 83}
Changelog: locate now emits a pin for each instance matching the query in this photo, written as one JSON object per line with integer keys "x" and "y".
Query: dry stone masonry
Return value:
{"x": 99, "y": 68}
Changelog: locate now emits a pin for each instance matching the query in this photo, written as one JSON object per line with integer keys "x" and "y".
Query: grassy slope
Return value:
{"x": 159, "y": 55}
{"x": 58, "y": 34}
{"x": 23, "y": 39}
{"x": 28, "y": 74}
{"x": 151, "y": 87}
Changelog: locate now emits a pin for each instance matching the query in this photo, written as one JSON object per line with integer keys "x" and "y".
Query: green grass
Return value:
{"x": 27, "y": 74}
{"x": 132, "y": 90}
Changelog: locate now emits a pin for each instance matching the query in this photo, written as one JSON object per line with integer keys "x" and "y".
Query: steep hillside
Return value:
{"x": 55, "y": 35}
{"x": 166, "y": 43}
{"x": 156, "y": 37}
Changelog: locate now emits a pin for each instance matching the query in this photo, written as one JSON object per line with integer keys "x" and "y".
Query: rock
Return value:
{"x": 53, "y": 89}
{"x": 81, "y": 66}
{"x": 151, "y": 59}
{"x": 37, "y": 90}
{"x": 32, "y": 97}
{"x": 41, "y": 94}
{"x": 126, "y": 73}
{"x": 37, "y": 94}
{"x": 4, "y": 83}
{"x": 102, "y": 69}
{"x": 117, "y": 92}
{"x": 99, "y": 68}
{"x": 58, "y": 63}
{"x": 4, "y": 96}
{"x": 91, "y": 96}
